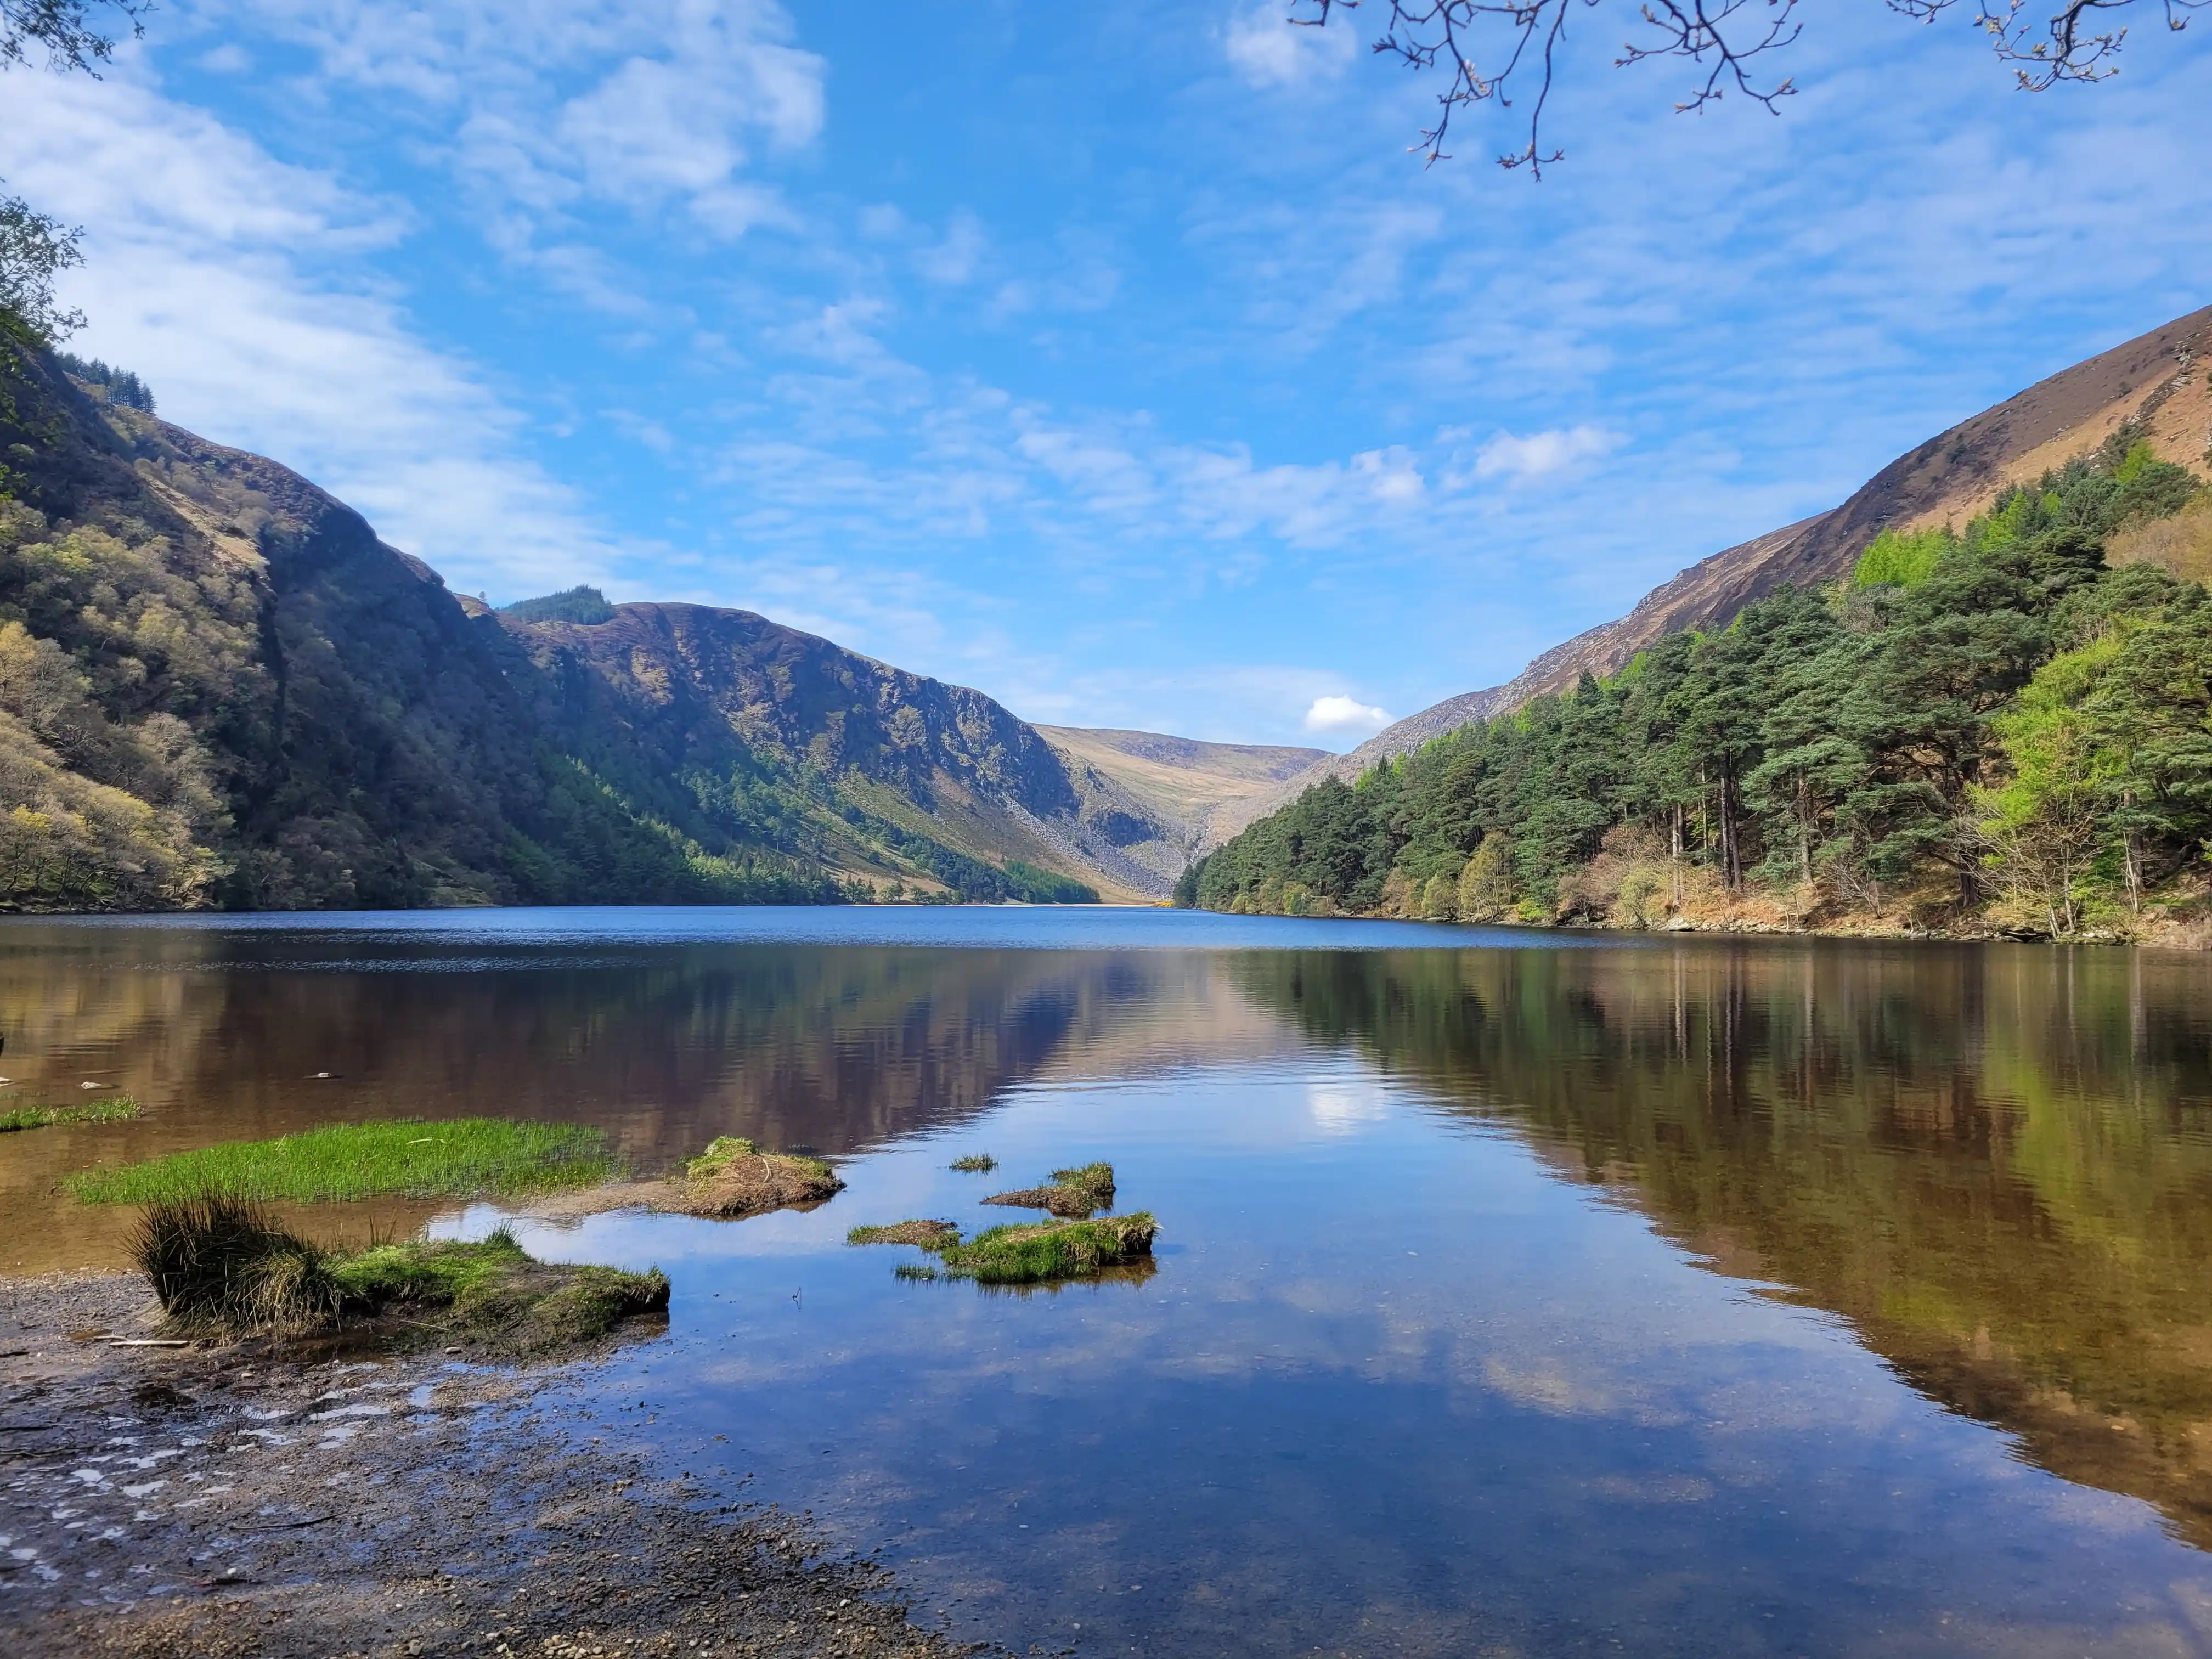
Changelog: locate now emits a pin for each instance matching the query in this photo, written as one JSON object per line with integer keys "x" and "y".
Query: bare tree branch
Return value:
{"x": 66, "y": 30}
{"x": 1722, "y": 38}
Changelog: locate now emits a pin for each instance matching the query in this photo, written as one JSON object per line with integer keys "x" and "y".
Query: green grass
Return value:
{"x": 221, "y": 1267}
{"x": 1095, "y": 1181}
{"x": 1038, "y": 1254}
{"x": 929, "y": 1235}
{"x": 466, "y": 1157}
{"x": 976, "y": 1163}
{"x": 114, "y": 1108}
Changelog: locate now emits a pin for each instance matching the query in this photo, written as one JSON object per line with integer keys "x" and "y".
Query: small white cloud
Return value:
{"x": 1345, "y": 714}
{"x": 1268, "y": 50}
{"x": 1541, "y": 454}
{"x": 953, "y": 260}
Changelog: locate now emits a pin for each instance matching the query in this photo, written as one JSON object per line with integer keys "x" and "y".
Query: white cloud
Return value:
{"x": 953, "y": 260}
{"x": 1541, "y": 454}
{"x": 205, "y": 272}
{"x": 553, "y": 102}
{"x": 1267, "y": 50}
{"x": 1344, "y": 715}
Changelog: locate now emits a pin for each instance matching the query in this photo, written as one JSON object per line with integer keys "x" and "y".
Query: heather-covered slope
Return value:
{"x": 218, "y": 687}
{"x": 2157, "y": 383}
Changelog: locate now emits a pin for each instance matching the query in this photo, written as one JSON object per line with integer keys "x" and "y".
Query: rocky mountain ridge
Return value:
{"x": 218, "y": 686}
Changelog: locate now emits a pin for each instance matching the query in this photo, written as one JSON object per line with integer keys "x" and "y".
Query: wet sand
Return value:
{"x": 221, "y": 1503}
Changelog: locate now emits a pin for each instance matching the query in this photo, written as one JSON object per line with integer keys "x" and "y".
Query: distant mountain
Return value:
{"x": 2157, "y": 381}
{"x": 218, "y": 687}
{"x": 1156, "y": 799}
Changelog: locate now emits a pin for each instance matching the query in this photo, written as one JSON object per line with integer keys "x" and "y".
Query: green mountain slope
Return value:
{"x": 217, "y": 687}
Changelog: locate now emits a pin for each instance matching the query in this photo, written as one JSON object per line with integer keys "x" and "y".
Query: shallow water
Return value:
{"x": 1517, "y": 1294}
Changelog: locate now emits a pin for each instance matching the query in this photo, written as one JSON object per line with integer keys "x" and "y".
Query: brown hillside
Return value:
{"x": 1156, "y": 797}
{"x": 2158, "y": 379}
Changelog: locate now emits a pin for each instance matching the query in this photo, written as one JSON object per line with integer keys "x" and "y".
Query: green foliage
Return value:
{"x": 1034, "y": 886}
{"x": 463, "y": 1157}
{"x": 111, "y": 1108}
{"x": 585, "y": 606}
{"x": 118, "y": 386}
{"x": 1992, "y": 715}
{"x": 1901, "y": 559}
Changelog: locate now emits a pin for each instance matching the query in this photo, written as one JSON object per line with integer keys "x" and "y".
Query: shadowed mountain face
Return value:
{"x": 1994, "y": 1162}
{"x": 2157, "y": 381}
{"x": 218, "y": 687}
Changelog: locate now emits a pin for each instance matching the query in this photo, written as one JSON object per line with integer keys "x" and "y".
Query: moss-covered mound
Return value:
{"x": 1035, "y": 1254}
{"x": 1047, "y": 1250}
{"x": 222, "y": 1267}
{"x": 1075, "y": 1195}
{"x": 733, "y": 1177}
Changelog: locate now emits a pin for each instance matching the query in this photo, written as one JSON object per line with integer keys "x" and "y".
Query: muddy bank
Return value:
{"x": 216, "y": 1503}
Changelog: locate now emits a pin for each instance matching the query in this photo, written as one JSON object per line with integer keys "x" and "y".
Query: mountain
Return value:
{"x": 1158, "y": 799}
{"x": 218, "y": 687}
{"x": 2155, "y": 383}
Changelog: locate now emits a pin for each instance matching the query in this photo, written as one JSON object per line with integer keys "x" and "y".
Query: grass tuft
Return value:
{"x": 464, "y": 1158}
{"x": 1049, "y": 1250}
{"x": 221, "y": 1264}
{"x": 114, "y": 1108}
{"x": 920, "y": 1270}
{"x": 1075, "y": 1195}
{"x": 976, "y": 1163}
{"x": 930, "y": 1235}
{"x": 221, "y": 1267}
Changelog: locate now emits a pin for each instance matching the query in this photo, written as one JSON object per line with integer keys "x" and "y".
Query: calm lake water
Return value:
{"x": 1517, "y": 1294}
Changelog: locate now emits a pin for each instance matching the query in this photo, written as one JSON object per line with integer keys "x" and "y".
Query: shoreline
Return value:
{"x": 235, "y": 1502}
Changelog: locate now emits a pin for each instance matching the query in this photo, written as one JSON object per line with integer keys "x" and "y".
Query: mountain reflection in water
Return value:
{"x": 1994, "y": 1163}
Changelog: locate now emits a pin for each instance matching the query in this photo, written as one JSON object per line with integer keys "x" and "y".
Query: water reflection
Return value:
{"x": 1996, "y": 1164}
{"x": 1412, "y": 1372}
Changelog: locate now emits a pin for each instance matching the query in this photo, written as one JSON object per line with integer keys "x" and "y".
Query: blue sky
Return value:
{"x": 1116, "y": 360}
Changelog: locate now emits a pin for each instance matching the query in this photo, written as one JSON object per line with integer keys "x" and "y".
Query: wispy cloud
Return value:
{"x": 1266, "y": 49}
{"x": 1543, "y": 454}
{"x": 214, "y": 270}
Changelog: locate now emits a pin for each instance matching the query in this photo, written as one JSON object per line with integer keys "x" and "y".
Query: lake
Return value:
{"x": 1517, "y": 1293}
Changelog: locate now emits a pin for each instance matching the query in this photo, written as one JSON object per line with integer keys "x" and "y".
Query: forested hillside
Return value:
{"x": 2008, "y": 727}
{"x": 218, "y": 688}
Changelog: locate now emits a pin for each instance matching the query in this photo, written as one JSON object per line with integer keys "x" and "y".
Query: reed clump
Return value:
{"x": 221, "y": 1266}
{"x": 733, "y": 1177}
{"x": 111, "y": 1108}
{"x": 976, "y": 1163}
{"x": 462, "y": 1157}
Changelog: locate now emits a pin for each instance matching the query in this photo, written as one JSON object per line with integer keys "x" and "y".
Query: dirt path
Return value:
{"x": 219, "y": 1502}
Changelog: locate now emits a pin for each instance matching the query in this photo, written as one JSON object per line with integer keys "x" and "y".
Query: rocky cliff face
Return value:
{"x": 218, "y": 687}
{"x": 2157, "y": 381}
